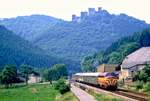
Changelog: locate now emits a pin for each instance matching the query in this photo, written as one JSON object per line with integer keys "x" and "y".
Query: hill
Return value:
{"x": 124, "y": 46}
{"x": 74, "y": 40}
{"x": 17, "y": 51}
{"x": 118, "y": 50}
{"x": 28, "y": 27}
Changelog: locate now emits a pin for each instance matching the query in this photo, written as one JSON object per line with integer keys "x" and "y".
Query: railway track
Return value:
{"x": 133, "y": 95}
{"x": 126, "y": 95}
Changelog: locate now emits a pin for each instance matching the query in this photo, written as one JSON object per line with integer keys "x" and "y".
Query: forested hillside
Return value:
{"x": 29, "y": 27}
{"x": 74, "y": 40}
{"x": 17, "y": 51}
{"x": 118, "y": 50}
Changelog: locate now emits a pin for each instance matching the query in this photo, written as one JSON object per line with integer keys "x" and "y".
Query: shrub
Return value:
{"x": 143, "y": 76}
{"x": 64, "y": 88}
{"x": 148, "y": 79}
{"x": 147, "y": 87}
{"x": 61, "y": 86}
{"x": 59, "y": 83}
{"x": 139, "y": 85}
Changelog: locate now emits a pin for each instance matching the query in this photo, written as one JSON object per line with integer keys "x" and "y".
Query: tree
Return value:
{"x": 99, "y": 57}
{"x": 49, "y": 75}
{"x": 8, "y": 75}
{"x": 87, "y": 64}
{"x": 143, "y": 76}
{"x": 145, "y": 38}
{"x": 114, "y": 58}
{"x": 147, "y": 69}
{"x": 25, "y": 71}
{"x": 60, "y": 70}
{"x": 55, "y": 72}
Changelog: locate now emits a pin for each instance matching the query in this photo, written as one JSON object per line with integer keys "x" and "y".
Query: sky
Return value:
{"x": 65, "y": 8}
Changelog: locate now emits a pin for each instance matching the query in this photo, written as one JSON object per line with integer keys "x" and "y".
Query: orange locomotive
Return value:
{"x": 104, "y": 80}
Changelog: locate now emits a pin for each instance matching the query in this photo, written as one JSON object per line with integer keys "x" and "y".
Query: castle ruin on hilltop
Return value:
{"x": 91, "y": 11}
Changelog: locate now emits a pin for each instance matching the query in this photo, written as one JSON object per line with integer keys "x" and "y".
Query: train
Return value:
{"x": 104, "y": 80}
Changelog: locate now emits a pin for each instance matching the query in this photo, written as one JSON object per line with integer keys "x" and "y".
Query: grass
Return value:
{"x": 29, "y": 93}
{"x": 138, "y": 86}
{"x": 102, "y": 97}
{"x": 69, "y": 96}
{"x": 33, "y": 93}
{"x": 149, "y": 98}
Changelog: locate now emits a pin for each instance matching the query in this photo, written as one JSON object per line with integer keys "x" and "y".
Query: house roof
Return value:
{"x": 139, "y": 57}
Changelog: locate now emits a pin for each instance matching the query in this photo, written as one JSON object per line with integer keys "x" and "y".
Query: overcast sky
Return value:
{"x": 65, "y": 8}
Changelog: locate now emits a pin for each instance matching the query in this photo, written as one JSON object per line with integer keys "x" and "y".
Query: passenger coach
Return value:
{"x": 104, "y": 80}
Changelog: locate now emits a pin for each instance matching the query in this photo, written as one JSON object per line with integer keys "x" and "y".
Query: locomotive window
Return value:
{"x": 113, "y": 74}
{"x": 100, "y": 76}
{"x": 109, "y": 74}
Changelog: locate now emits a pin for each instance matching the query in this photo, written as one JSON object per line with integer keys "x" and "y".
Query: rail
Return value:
{"x": 134, "y": 95}
{"x": 126, "y": 95}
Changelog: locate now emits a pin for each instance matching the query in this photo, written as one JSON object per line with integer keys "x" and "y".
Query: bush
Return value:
{"x": 148, "y": 79}
{"x": 62, "y": 86}
{"x": 139, "y": 85}
{"x": 143, "y": 76}
{"x": 59, "y": 83}
{"x": 147, "y": 87}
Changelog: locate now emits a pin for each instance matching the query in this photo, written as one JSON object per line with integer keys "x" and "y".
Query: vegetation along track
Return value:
{"x": 127, "y": 95}
{"x": 131, "y": 94}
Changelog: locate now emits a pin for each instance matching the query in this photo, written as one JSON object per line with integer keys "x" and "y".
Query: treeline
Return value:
{"x": 17, "y": 51}
{"x": 29, "y": 27}
{"x": 55, "y": 73}
{"x": 10, "y": 74}
{"x": 115, "y": 53}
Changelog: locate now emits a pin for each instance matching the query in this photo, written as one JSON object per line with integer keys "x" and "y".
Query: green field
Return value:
{"x": 69, "y": 96}
{"x": 34, "y": 93}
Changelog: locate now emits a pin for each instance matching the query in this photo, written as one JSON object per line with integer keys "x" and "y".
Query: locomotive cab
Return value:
{"x": 108, "y": 81}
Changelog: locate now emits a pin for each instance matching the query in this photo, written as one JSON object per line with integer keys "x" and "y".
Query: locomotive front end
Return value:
{"x": 108, "y": 81}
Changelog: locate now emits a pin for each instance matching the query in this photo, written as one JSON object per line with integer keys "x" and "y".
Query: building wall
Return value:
{"x": 124, "y": 74}
{"x": 34, "y": 79}
{"x": 100, "y": 68}
{"x": 110, "y": 68}
{"x": 130, "y": 73}
{"x": 106, "y": 68}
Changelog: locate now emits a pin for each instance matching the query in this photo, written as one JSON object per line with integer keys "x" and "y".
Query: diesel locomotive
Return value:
{"x": 104, "y": 80}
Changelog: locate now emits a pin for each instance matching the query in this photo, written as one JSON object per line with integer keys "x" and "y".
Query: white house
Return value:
{"x": 135, "y": 62}
{"x": 34, "y": 78}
